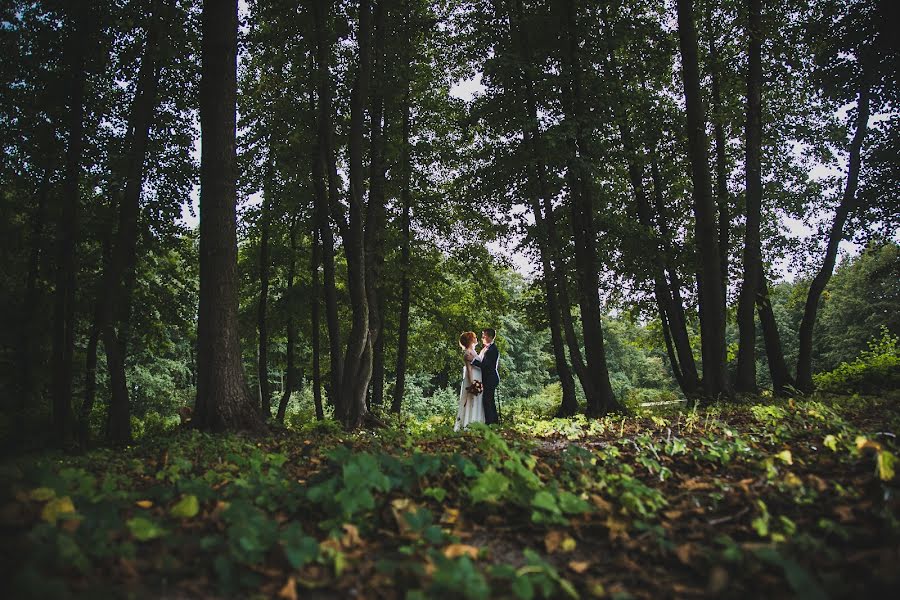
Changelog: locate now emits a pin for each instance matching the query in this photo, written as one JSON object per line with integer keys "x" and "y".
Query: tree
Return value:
{"x": 539, "y": 197}
{"x": 851, "y": 64}
{"x": 712, "y": 313}
{"x": 581, "y": 203}
{"x": 79, "y": 17}
{"x": 223, "y": 398}
{"x": 745, "y": 378}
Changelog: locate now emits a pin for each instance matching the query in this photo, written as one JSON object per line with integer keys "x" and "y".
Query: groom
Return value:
{"x": 490, "y": 377}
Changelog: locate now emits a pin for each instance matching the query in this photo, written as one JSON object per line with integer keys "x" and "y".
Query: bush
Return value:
{"x": 875, "y": 370}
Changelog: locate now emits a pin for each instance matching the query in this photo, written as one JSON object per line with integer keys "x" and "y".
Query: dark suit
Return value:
{"x": 490, "y": 378}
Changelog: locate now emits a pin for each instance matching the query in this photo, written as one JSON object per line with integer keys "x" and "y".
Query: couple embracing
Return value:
{"x": 479, "y": 380}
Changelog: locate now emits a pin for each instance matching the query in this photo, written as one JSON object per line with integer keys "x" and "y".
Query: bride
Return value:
{"x": 470, "y": 407}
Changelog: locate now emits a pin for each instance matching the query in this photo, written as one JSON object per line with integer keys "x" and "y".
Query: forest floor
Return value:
{"x": 787, "y": 499}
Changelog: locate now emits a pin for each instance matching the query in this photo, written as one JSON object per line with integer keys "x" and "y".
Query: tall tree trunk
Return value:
{"x": 722, "y": 195}
{"x": 315, "y": 261}
{"x": 224, "y": 401}
{"x": 670, "y": 348}
{"x": 539, "y": 190}
{"x": 64, "y": 302}
{"x": 712, "y": 305}
{"x": 671, "y": 314}
{"x": 326, "y": 199}
{"x": 90, "y": 363}
{"x": 116, "y": 287}
{"x": 601, "y": 399}
{"x": 745, "y": 378}
{"x": 405, "y": 216}
{"x": 265, "y": 395}
{"x": 358, "y": 359}
{"x": 778, "y": 369}
{"x": 677, "y": 322}
{"x": 847, "y": 205}
{"x": 30, "y": 299}
{"x": 375, "y": 211}
{"x": 291, "y": 324}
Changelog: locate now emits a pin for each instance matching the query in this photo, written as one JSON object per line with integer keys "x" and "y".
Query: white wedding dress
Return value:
{"x": 471, "y": 409}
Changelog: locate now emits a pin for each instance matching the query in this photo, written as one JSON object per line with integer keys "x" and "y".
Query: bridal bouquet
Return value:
{"x": 476, "y": 388}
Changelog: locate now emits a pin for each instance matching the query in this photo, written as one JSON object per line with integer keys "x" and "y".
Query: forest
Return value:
{"x": 241, "y": 239}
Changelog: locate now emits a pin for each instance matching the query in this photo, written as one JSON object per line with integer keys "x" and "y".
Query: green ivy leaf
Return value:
{"x": 885, "y": 464}
{"x": 299, "y": 548}
{"x": 489, "y": 487}
{"x": 572, "y": 504}
{"x": 186, "y": 508}
{"x": 143, "y": 529}
{"x": 435, "y": 492}
{"x": 545, "y": 501}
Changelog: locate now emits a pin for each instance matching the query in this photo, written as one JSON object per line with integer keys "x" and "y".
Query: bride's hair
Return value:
{"x": 466, "y": 339}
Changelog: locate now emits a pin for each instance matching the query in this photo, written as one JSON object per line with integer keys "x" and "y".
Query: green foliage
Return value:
{"x": 876, "y": 369}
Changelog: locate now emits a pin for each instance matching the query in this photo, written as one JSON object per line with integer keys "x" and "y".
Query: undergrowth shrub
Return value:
{"x": 876, "y": 369}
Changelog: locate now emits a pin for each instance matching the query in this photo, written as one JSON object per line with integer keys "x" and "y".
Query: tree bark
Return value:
{"x": 601, "y": 399}
{"x": 375, "y": 211}
{"x": 265, "y": 395}
{"x": 722, "y": 195}
{"x": 677, "y": 322}
{"x": 847, "y": 205}
{"x": 670, "y": 348}
{"x": 64, "y": 302}
{"x": 405, "y": 216}
{"x": 116, "y": 287}
{"x": 539, "y": 190}
{"x": 315, "y": 261}
{"x": 30, "y": 299}
{"x": 745, "y": 378}
{"x": 90, "y": 366}
{"x": 291, "y": 324}
{"x": 224, "y": 401}
{"x": 358, "y": 359}
{"x": 712, "y": 312}
{"x": 782, "y": 382}
{"x": 326, "y": 199}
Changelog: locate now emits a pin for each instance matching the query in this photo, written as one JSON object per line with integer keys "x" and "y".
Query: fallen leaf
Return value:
{"x": 555, "y": 540}
{"x": 817, "y": 482}
{"x": 863, "y": 443}
{"x": 450, "y": 516}
{"x": 595, "y": 588}
{"x": 400, "y": 507}
{"x": 42, "y": 494}
{"x": 144, "y": 504}
{"x": 672, "y": 515}
{"x": 718, "y": 580}
{"x": 603, "y": 507}
{"x": 684, "y": 553}
{"x": 351, "y": 536}
{"x": 617, "y": 529}
{"x": 56, "y": 507}
{"x": 844, "y": 513}
{"x": 785, "y": 457}
{"x": 129, "y": 568}
{"x": 289, "y": 591}
{"x": 457, "y": 550}
{"x": 579, "y": 566}
{"x": 792, "y": 480}
{"x": 220, "y": 507}
{"x": 697, "y": 484}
